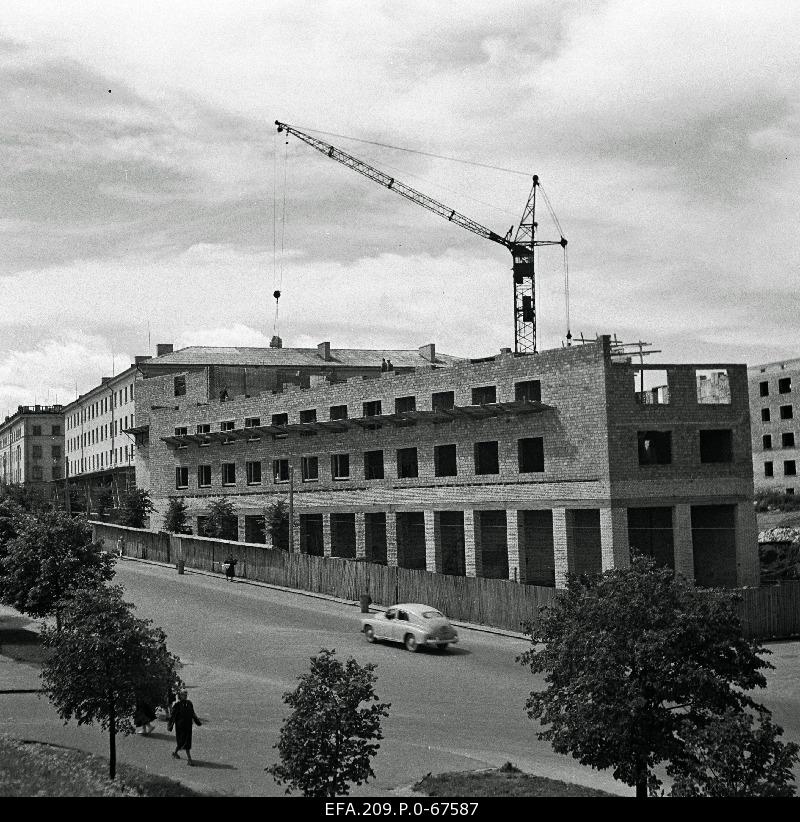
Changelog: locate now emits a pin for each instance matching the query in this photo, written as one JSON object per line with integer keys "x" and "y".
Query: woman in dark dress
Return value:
{"x": 182, "y": 717}
{"x": 230, "y": 568}
{"x": 144, "y": 716}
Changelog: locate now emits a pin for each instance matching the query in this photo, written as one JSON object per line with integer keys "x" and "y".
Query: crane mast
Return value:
{"x": 522, "y": 246}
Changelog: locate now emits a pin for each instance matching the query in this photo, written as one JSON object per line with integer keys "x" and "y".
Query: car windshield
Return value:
{"x": 432, "y": 615}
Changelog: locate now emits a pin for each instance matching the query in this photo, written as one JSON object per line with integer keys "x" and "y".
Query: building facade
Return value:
{"x": 506, "y": 467}
{"x": 100, "y": 455}
{"x": 102, "y": 425}
{"x": 774, "y": 399}
{"x": 32, "y": 447}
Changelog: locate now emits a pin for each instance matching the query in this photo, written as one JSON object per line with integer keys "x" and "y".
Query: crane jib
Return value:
{"x": 521, "y": 247}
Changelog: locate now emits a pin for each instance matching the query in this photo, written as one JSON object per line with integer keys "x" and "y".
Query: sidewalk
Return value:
{"x": 16, "y": 676}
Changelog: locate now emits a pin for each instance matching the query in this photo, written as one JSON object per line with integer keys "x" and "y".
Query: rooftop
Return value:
{"x": 298, "y": 357}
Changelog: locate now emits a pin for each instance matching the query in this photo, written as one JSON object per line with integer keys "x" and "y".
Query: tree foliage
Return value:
{"x": 221, "y": 519}
{"x": 51, "y": 556}
{"x": 16, "y": 500}
{"x": 136, "y": 507}
{"x": 729, "y": 757}
{"x": 276, "y": 521}
{"x": 175, "y": 519}
{"x": 328, "y": 741}
{"x": 25, "y": 497}
{"x": 103, "y": 502}
{"x": 103, "y": 661}
{"x": 632, "y": 658}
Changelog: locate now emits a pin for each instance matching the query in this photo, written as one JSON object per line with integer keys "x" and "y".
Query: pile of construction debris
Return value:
{"x": 791, "y": 535}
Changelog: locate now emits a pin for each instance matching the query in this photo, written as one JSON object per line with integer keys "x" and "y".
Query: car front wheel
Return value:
{"x": 411, "y": 643}
{"x": 369, "y": 633}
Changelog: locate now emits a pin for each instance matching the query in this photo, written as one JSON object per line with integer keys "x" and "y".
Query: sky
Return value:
{"x": 147, "y": 197}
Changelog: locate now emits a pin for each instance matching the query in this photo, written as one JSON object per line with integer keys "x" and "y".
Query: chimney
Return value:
{"x": 324, "y": 350}
{"x": 276, "y": 342}
{"x": 428, "y": 352}
{"x": 104, "y": 380}
{"x": 140, "y": 358}
{"x": 163, "y": 348}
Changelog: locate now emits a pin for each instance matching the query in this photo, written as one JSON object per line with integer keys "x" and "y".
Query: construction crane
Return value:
{"x": 522, "y": 246}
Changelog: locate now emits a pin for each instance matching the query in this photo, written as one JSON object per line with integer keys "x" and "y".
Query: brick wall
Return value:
{"x": 778, "y": 454}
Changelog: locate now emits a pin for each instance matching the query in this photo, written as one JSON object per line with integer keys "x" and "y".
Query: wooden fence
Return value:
{"x": 768, "y": 612}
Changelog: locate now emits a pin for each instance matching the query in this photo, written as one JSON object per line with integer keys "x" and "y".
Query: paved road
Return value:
{"x": 243, "y": 646}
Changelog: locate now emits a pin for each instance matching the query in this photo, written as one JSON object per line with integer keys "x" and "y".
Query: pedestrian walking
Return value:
{"x": 389, "y": 366}
{"x": 144, "y": 717}
{"x": 383, "y": 365}
{"x": 229, "y": 566}
{"x": 181, "y": 719}
{"x": 166, "y": 705}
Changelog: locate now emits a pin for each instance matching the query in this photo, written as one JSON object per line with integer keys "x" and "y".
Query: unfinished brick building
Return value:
{"x": 519, "y": 467}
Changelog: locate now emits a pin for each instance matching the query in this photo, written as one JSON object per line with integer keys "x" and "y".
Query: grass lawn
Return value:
{"x": 38, "y": 769}
{"x": 504, "y": 781}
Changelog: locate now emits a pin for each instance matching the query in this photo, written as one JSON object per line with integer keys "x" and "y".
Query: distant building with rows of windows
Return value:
{"x": 102, "y": 425}
{"x": 32, "y": 447}
{"x": 774, "y": 413}
{"x": 516, "y": 467}
{"x": 100, "y": 455}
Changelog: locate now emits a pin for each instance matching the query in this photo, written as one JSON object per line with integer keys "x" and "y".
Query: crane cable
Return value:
{"x": 566, "y": 258}
{"x": 275, "y": 223}
{"x": 417, "y": 151}
{"x": 278, "y": 265}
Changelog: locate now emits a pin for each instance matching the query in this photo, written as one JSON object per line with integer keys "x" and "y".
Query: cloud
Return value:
{"x": 665, "y": 135}
{"x": 51, "y": 372}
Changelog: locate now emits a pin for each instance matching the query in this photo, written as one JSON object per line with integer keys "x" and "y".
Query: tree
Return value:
{"x": 27, "y": 498}
{"x": 631, "y": 659}
{"x": 51, "y": 556}
{"x": 221, "y": 519}
{"x": 327, "y": 741}
{"x": 103, "y": 502}
{"x": 103, "y": 661}
{"x": 729, "y": 757}
{"x": 175, "y": 520}
{"x": 136, "y": 507}
{"x": 16, "y": 500}
{"x": 276, "y": 520}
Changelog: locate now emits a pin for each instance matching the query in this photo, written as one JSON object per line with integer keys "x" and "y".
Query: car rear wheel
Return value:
{"x": 410, "y": 642}
{"x": 369, "y": 633}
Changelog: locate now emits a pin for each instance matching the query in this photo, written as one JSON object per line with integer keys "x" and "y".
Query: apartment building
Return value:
{"x": 518, "y": 467}
{"x": 32, "y": 447}
{"x": 774, "y": 416}
{"x": 100, "y": 455}
{"x": 102, "y": 425}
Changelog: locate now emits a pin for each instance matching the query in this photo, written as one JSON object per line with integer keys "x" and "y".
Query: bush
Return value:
{"x": 276, "y": 519}
{"x": 175, "y": 520}
{"x": 136, "y": 507}
{"x": 221, "y": 521}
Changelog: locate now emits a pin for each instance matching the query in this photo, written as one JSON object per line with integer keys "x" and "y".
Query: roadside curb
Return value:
{"x": 486, "y": 629}
{"x": 21, "y": 691}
